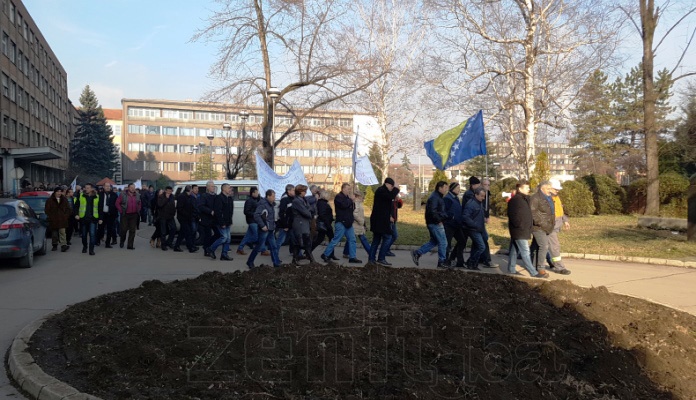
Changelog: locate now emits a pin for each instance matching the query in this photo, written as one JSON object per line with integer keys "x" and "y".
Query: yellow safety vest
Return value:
{"x": 83, "y": 206}
{"x": 558, "y": 206}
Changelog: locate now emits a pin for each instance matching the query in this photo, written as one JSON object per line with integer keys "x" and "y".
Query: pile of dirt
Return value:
{"x": 330, "y": 332}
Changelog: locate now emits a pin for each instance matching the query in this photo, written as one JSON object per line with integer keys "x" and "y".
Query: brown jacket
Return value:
{"x": 542, "y": 215}
{"x": 57, "y": 213}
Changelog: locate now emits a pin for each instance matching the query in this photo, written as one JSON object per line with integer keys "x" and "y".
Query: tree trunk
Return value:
{"x": 529, "y": 98}
{"x": 649, "y": 21}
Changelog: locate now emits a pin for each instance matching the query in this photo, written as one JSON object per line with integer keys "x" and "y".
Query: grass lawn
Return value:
{"x": 597, "y": 234}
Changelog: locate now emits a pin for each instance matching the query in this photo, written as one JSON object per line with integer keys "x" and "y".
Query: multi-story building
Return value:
{"x": 170, "y": 137}
{"x": 561, "y": 163}
{"x": 37, "y": 116}
{"x": 114, "y": 119}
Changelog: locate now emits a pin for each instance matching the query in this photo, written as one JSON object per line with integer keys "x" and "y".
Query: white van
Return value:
{"x": 240, "y": 193}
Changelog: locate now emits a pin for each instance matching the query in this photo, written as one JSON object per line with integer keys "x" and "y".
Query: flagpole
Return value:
{"x": 355, "y": 157}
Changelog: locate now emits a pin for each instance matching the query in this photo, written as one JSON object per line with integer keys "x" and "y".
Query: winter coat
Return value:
{"x": 473, "y": 216}
{"x": 285, "y": 212}
{"x": 206, "y": 207}
{"x": 324, "y": 215}
{"x": 166, "y": 207}
{"x": 224, "y": 209}
{"x": 146, "y": 198}
{"x": 250, "y": 208}
{"x": 58, "y": 213}
{"x": 520, "y": 217}
{"x": 359, "y": 218}
{"x": 382, "y": 210}
{"x": 184, "y": 208}
{"x": 264, "y": 215}
{"x": 542, "y": 214}
{"x": 468, "y": 195}
{"x": 396, "y": 203}
{"x": 301, "y": 216}
{"x": 344, "y": 209}
{"x": 454, "y": 210}
{"x": 110, "y": 198}
{"x": 435, "y": 209}
{"x": 122, "y": 204}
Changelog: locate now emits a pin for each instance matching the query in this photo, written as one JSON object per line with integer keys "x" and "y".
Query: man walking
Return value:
{"x": 553, "y": 257}
{"x": 87, "y": 206}
{"x": 107, "y": 206}
{"x": 224, "y": 208}
{"x": 435, "y": 216}
{"x": 184, "y": 214}
{"x": 264, "y": 216}
{"x": 474, "y": 221}
{"x": 166, "y": 209}
{"x": 397, "y": 203}
{"x": 344, "y": 225}
{"x": 285, "y": 218}
{"x": 544, "y": 219}
{"x": 520, "y": 226}
{"x": 252, "y": 234}
{"x": 453, "y": 225}
{"x": 206, "y": 210}
{"x": 58, "y": 212}
{"x": 128, "y": 206}
{"x": 381, "y": 221}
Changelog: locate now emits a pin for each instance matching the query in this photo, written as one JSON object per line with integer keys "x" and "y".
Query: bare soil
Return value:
{"x": 319, "y": 332}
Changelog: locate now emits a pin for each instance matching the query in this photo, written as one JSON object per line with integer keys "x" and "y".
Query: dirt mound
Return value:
{"x": 330, "y": 332}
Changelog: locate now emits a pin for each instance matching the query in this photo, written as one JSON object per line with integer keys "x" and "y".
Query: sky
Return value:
{"x": 143, "y": 49}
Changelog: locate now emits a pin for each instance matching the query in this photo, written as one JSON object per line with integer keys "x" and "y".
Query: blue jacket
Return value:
{"x": 344, "y": 210}
{"x": 206, "y": 206}
{"x": 224, "y": 208}
{"x": 265, "y": 215}
{"x": 454, "y": 210}
{"x": 473, "y": 216}
{"x": 435, "y": 209}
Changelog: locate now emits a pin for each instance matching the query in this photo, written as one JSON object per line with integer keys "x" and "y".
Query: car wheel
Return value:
{"x": 42, "y": 250}
{"x": 28, "y": 260}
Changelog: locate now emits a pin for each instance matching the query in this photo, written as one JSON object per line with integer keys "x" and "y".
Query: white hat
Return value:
{"x": 556, "y": 184}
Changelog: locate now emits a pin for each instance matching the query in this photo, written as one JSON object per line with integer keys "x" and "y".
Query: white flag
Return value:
{"x": 269, "y": 179}
{"x": 73, "y": 185}
{"x": 364, "y": 172}
{"x": 139, "y": 183}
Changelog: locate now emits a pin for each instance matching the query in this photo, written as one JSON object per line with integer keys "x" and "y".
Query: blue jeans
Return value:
{"x": 365, "y": 244}
{"x": 520, "y": 246}
{"x": 89, "y": 228}
{"x": 383, "y": 249}
{"x": 437, "y": 238}
{"x": 281, "y": 235}
{"x": 223, "y": 240}
{"x": 264, "y": 239}
{"x": 340, "y": 231}
{"x": 251, "y": 236}
{"x": 394, "y": 236}
{"x": 478, "y": 247}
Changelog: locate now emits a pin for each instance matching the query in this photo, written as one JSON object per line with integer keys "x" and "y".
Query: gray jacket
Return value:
{"x": 302, "y": 216}
{"x": 265, "y": 215}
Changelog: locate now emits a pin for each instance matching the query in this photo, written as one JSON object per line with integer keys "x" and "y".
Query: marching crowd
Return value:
{"x": 305, "y": 219}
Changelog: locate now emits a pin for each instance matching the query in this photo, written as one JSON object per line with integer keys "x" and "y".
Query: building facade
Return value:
{"x": 114, "y": 119}
{"x": 561, "y": 163}
{"x": 37, "y": 116}
{"x": 171, "y": 137}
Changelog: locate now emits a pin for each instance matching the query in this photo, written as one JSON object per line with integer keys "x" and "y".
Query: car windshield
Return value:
{"x": 6, "y": 212}
{"x": 38, "y": 204}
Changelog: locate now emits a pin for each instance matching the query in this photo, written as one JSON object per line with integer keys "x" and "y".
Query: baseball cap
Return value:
{"x": 556, "y": 184}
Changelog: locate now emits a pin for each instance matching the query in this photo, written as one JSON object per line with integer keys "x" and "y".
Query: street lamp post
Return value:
{"x": 243, "y": 115}
{"x": 210, "y": 137}
{"x": 496, "y": 165}
{"x": 273, "y": 94}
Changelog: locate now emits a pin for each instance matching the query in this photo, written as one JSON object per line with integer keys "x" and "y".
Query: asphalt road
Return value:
{"x": 60, "y": 279}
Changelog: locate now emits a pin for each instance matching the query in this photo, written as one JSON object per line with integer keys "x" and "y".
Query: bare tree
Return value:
{"x": 522, "y": 60}
{"x": 649, "y": 18}
{"x": 239, "y": 152}
{"x": 307, "y": 46}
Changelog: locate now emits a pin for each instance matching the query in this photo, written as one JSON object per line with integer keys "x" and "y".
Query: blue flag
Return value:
{"x": 454, "y": 146}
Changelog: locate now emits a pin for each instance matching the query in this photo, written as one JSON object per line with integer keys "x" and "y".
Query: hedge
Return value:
{"x": 673, "y": 195}
{"x": 577, "y": 199}
{"x": 608, "y": 196}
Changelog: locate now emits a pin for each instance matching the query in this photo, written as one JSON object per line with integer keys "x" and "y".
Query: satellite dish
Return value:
{"x": 17, "y": 173}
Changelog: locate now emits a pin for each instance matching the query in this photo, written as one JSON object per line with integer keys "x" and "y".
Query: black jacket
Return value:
{"x": 184, "y": 208}
{"x": 454, "y": 210}
{"x": 224, "y": 208}
{"x": 542, "y": 215}
{"x": 206, "y": 206}
{"x": 111, "y": 198}
{"x": 344, "y": 210}
{"x": 473, "y": 216}
{"x": 324, "y": 214}
{"x": 264, "y": 215}
{"x": 250, "y": 208}
{"x": 435, "y": 209}
{"x": 382, "y": 210}
{"x": 519, "y": 214}
{"x": 166, "y": 207}
{"x": 284, "y": 216}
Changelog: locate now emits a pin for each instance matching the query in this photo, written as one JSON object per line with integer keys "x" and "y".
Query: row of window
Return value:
{"x": 222, "y": 117}
{"x": 22, "y": 134}
{"x": 282, "y": 152}
{"x": 233, "y": 134}
{"x": 27, "y": 33}
{"x": 165, "y": 166}
{"x": 21, "y": 97}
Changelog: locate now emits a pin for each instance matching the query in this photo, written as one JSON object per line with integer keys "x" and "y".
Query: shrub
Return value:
{"x": 438, "y": 176}
{"x": 577, "y": 199}
{"x": 369, "y": 197}
{"x": 673, "y": 195}
{"x": 498, "y": 204}
{"x": 608, "y": 196}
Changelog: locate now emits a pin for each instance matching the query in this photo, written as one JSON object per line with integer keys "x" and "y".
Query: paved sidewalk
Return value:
{"x": 61, "y": 279}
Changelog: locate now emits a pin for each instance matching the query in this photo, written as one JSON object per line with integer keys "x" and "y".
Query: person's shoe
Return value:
{"x": 443, "y": 264}
{"x": 460, "y": 266}
{"x": 354, "y": 261}
{"x": 211, "y": 255}
{"x": 474, "y": 268}
{"x": 54, "y": 248}
{"x": 130, "y": 248}
{"x": 159, "y": 243}
{"x": 346, "y": 256}
{"x": 164, "y": 248}
{"x": 98, "y": 243}
{"x": 248, "y": 264}
{"x": 325, "y": 258}
{"x": 333, "y": 257}
{"x": 384, "y": 263}
{"x": 113, "y": 242}
{"x": 193, "y": 250}
{"x": 91, "y": 252}
{"x": 152, "y": 243}
{"x": 489, "y": 265}
{"x": 266, "y": 253}
{"x": 514, "y": 273}
{"x": 64, "y": 248}
{"x": 177, "y": 249}
{"x": 415, "y": 257}
{"x": 542, "y": 275}
{"x": 225, "y": 257}
{"x": 84, "y": 249}
{"x": 69, "y": 244}
{"x": 121, "y": 244}
{"x": 561, "y": 271}
{"x": 390, "y": 254}
{"x": 241, "y": 252}
{"x": 108, "y": 246}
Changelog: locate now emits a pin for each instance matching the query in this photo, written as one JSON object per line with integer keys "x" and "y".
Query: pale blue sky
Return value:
{"x": 142, "y": 48}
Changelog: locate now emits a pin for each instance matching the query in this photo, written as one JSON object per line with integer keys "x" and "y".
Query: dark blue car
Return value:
{"x": 21, "y": 232}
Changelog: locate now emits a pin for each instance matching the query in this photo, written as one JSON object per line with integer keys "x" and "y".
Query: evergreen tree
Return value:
{"x": 406, "y": 163}
{"x": 439, "y": 175}
{"x": 204, "y": 168}
{"x": 93, "y": 152}
{"x": 542, "y": 171}
{"x": 378, "y": 164}
{"x": 685, "y": 135}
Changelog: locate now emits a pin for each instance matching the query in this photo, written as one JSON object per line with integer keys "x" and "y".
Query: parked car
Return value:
{"x": 37, "y": 202}
{"x": 21, "y": 232}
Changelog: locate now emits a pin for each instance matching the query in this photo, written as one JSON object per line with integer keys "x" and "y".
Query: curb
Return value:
{"x": 30, "y": 377}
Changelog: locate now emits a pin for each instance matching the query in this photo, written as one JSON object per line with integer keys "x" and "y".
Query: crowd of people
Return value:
{"x": 305, "y": 219}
